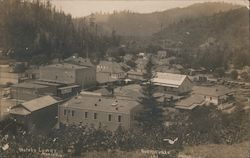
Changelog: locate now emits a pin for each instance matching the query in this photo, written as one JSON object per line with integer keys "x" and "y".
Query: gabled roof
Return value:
{"x": 33, "y": 105}
{"x": 168, "y": 79}
{"x": 39, "y": 103}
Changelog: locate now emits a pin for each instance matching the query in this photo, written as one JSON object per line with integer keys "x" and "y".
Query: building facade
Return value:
{"x": 37, "y": 114}
{"x": 69, "y": 74}
{"x": 114, "y": 69}
{"x": 28, "y": 91}
{"x": 6, "y": 76}
{"x": 98, "y": 112}
{"x": 215, "y": 95}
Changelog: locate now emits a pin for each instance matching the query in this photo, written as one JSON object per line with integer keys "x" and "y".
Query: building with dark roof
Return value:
{"x": 39, "y": 113}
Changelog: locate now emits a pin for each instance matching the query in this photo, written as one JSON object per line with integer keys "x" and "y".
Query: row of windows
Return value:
{"x": 95, "y": 116}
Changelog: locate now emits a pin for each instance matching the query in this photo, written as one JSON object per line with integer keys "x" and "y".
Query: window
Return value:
{"x": 56, "y": 77}
{"x": 119, "y": 118}
{"x": 110, "y": 117}
{"x": 95, "y": 116}
{"x": 73, "y": 113}
{"x": 65, "y": 112}
{"x": 86, "y": 114}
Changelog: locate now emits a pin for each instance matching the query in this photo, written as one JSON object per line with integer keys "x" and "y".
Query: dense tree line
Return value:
{"x": 37, "y": 31}
{"x": 212, "y": 41}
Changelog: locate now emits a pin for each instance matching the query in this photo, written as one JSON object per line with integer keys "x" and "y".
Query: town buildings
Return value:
{"x": 28, "y": 91}
{"x": 190, "y": 102}
{"x": 109, "y": 71}
{"x": 112, "y": 68}
{"x": 38, "y": 113}
{"x": 172, "y": 83}
{"x": 94, "y": 110}
{"x": 8, "y": 76}
{"x": 214, "y": 95}
{"x": 135, "y": 75}
{"x": 69, "y": 74}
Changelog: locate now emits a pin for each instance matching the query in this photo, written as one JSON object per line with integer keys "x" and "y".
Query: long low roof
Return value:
{"x": 168, "y": 79}
{"x": 211, "y": 91}
{"x": 33, "y": 105}
{"x": 99, "y": 103}
{"x": 29, "y": 85}
{"x": 190, "y": 102}
{"x": 64, "y": 66}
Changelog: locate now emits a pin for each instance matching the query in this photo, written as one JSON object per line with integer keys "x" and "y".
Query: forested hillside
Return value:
{"x": 37, "y": 31}
{"x": 127, "y": 23}
{"x": 212, "y": 41}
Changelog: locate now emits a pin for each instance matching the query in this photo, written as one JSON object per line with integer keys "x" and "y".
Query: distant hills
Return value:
{"x": 127, "y": 23}
{"x": 217, "y": 39}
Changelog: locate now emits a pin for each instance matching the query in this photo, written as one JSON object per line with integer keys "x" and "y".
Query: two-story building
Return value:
{"x": 94, "y": 110}
{"x": 69, "y": 74}
{"x": 109, "y": 71}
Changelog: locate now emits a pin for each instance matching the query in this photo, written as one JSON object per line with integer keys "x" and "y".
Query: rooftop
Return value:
{"x": 132, "y": 91}
{"x": 212, "y": 91}
{"x": 46, "y": 83}
{"x": 110, "y": 66}
{"x": 33, "y": 105}
{"x": 102, "y": 77}
{"x": 190, "y": 102}
{"x": 65, "y": 66}
{"x": 168, "y": 79}
{"x": 99, "y": 103}
{"x": 132, "y": 72}
{"x": 29, "y": 85}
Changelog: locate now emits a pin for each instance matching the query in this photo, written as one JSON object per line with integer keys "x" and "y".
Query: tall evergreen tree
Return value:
{"x": 151, "y": 115}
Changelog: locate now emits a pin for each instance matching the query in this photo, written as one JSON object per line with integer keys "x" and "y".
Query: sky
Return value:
{"x": 80, "y": 8}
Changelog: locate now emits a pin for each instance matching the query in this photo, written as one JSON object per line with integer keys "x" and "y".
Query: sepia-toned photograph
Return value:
{"x": 124, "y": 79}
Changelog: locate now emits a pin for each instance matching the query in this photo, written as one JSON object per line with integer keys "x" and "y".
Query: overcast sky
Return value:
{"x": 79, "y": 8}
